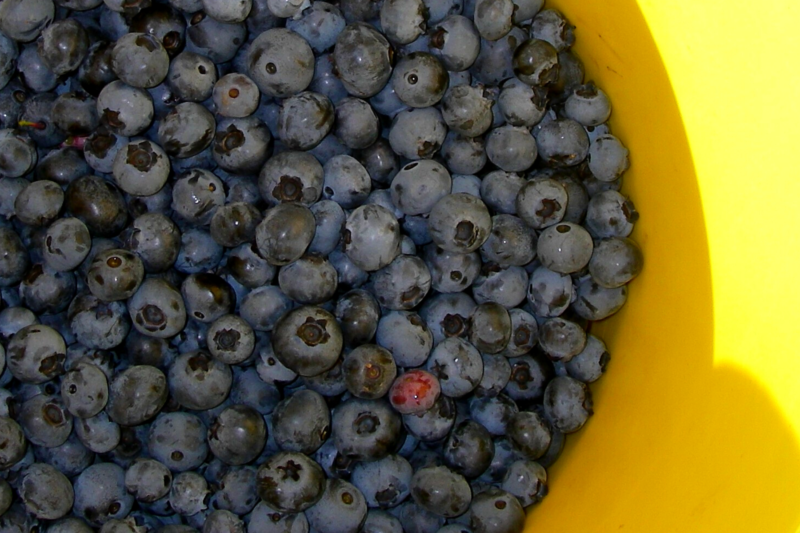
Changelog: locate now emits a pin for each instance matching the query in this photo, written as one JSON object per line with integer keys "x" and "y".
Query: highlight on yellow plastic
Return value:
{"x": 696, "y": 424}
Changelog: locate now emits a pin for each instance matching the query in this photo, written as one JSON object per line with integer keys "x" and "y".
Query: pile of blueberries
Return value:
{"x": 298, "y": 266}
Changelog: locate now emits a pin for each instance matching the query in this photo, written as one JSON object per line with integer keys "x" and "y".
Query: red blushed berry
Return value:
{"x": 414, "y": 392}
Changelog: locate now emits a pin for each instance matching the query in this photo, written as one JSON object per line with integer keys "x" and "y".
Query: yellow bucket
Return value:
{"x": 696, "y": 423}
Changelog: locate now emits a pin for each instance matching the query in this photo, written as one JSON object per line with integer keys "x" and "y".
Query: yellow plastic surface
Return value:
{"x": 696, "y": 424}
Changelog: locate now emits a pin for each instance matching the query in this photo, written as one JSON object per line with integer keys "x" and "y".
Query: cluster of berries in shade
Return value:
{"x": 295, "y": 266}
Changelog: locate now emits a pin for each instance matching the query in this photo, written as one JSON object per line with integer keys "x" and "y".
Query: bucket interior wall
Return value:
{"x": 682, "y": 439}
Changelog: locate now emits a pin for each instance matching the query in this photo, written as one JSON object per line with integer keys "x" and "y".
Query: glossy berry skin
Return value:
{"x": 362, "y": 57}
{"x": 140, "y": 60}
{"x": 307, "y": 340}
{"x": 369, "y": 371}
{"x": 281, "y": 62}
{"x": 136, "y": 395}
{"x": 496, "y": 511}
{"x": 366, "y": 429}
{"x": 157, "y": 309}
{"x": 565, "y": 248}
{"x": 414, "y": 392}
{"x": 198, "y": 381}
{"x": 100, "y": 494}
{"x": 290, "y": 482}
{"x": 357, "y": 312}
{"x": 13, "y": 440}
{"x": 301, "y": 422}
{"x": 341, "y": 508}
{"x": 567, "y": 404}
{"x": 441, "y": 491}
{"x": 371, "y": 237}
{"x": 527, "y": 480}
{"x": 115, "y": 275}
{"x": 36, "y": 354}
{"x": 178, "y": 440}
{"x": 459, "y": 223}
{"x": 285, "y": 233}
{"x": 468, "y": 449}
{"x": 238, "y": 435}
{"x": 458, "y": 366}
{"x": 148, "y": 480}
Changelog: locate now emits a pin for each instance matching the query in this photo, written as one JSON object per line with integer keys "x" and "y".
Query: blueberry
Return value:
{"x": 385, "y": 483}
{"x": 565, "y": 247}
{"x": 363, "y": 60}
{"x": 527, "y": 480}
{"x": 468, "y": 449}
{"x": 567, "y": 404}
{"x": 551, "y": 26}
{"x": 496, "y": 373}
{"x": 381, "y": 522}
{"x": 304, "y": 120}
{"x": 320, "y": 23}
{"x": 369, "y": 371}
{"x": 460, "y": 223}
{"x": 188, "y": 493}
{"x": 140, "y": 60}
{"x": 341, "y": 509}
{"x": 39, "y": 203}
{"x": 230, "y": 339}
{"x": 281, "y": 62}
{"x": 99, "y": 434}
{"x": 590, "y": 364}
{"x": 13, "y": 442}
{"x": 218, "y": 40}
{"x": 441, "y": 491}
{"x": 84, "y": 390}
{"x": 157, "y": 309}
{"x": 265, "y": 519}
{"x": 419, "y": 185}
{"x": 610, "y": 214}
{"x": 371, "y": 237}
{"x": 594, "y": 302}
{"x": 237, "y": 491}
{"x": 148, "y": 480}
{"x": 456, "y": 42}
{"x": 365, "y": 429}
{"x": 529, "y": 376}
{"x": 67, "y": 243}
{"x": 100, "y": 494}
{"x": 406, "y": 336}
{"x": 418, "y": 133}
{"x": 178, "y": 440}
{"x": 242, "y": 145}
{"x": 301, "y": 422}
{"x": 290, "y": 482}
{"x": 36, "y": 354}
{"x": 608, "y": 158}
{"x": 493, "y": 18}
{"x": 136, "y": 395}
{"x": 198, "y": 381}
{"x": 285, "y": 233}
{"x": 357, "y": 312}
{"x": 291, "y": 176}
{"x": 262, "y": 307}
{"x": 511, "y": 148}
{"x": 403, "y": 20}
{"x": 496, "y": 511}
{"x": 562, "y": 339}
{"x": 238, "y": 435}
{"x": 14, "y": 261}
{"x": 155, "y": 239}
{"x": 463, "y": 155}
{"x": 307, "y": 340}
{"x": 235, "y": 95}
{"x": 357, "y": 125}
